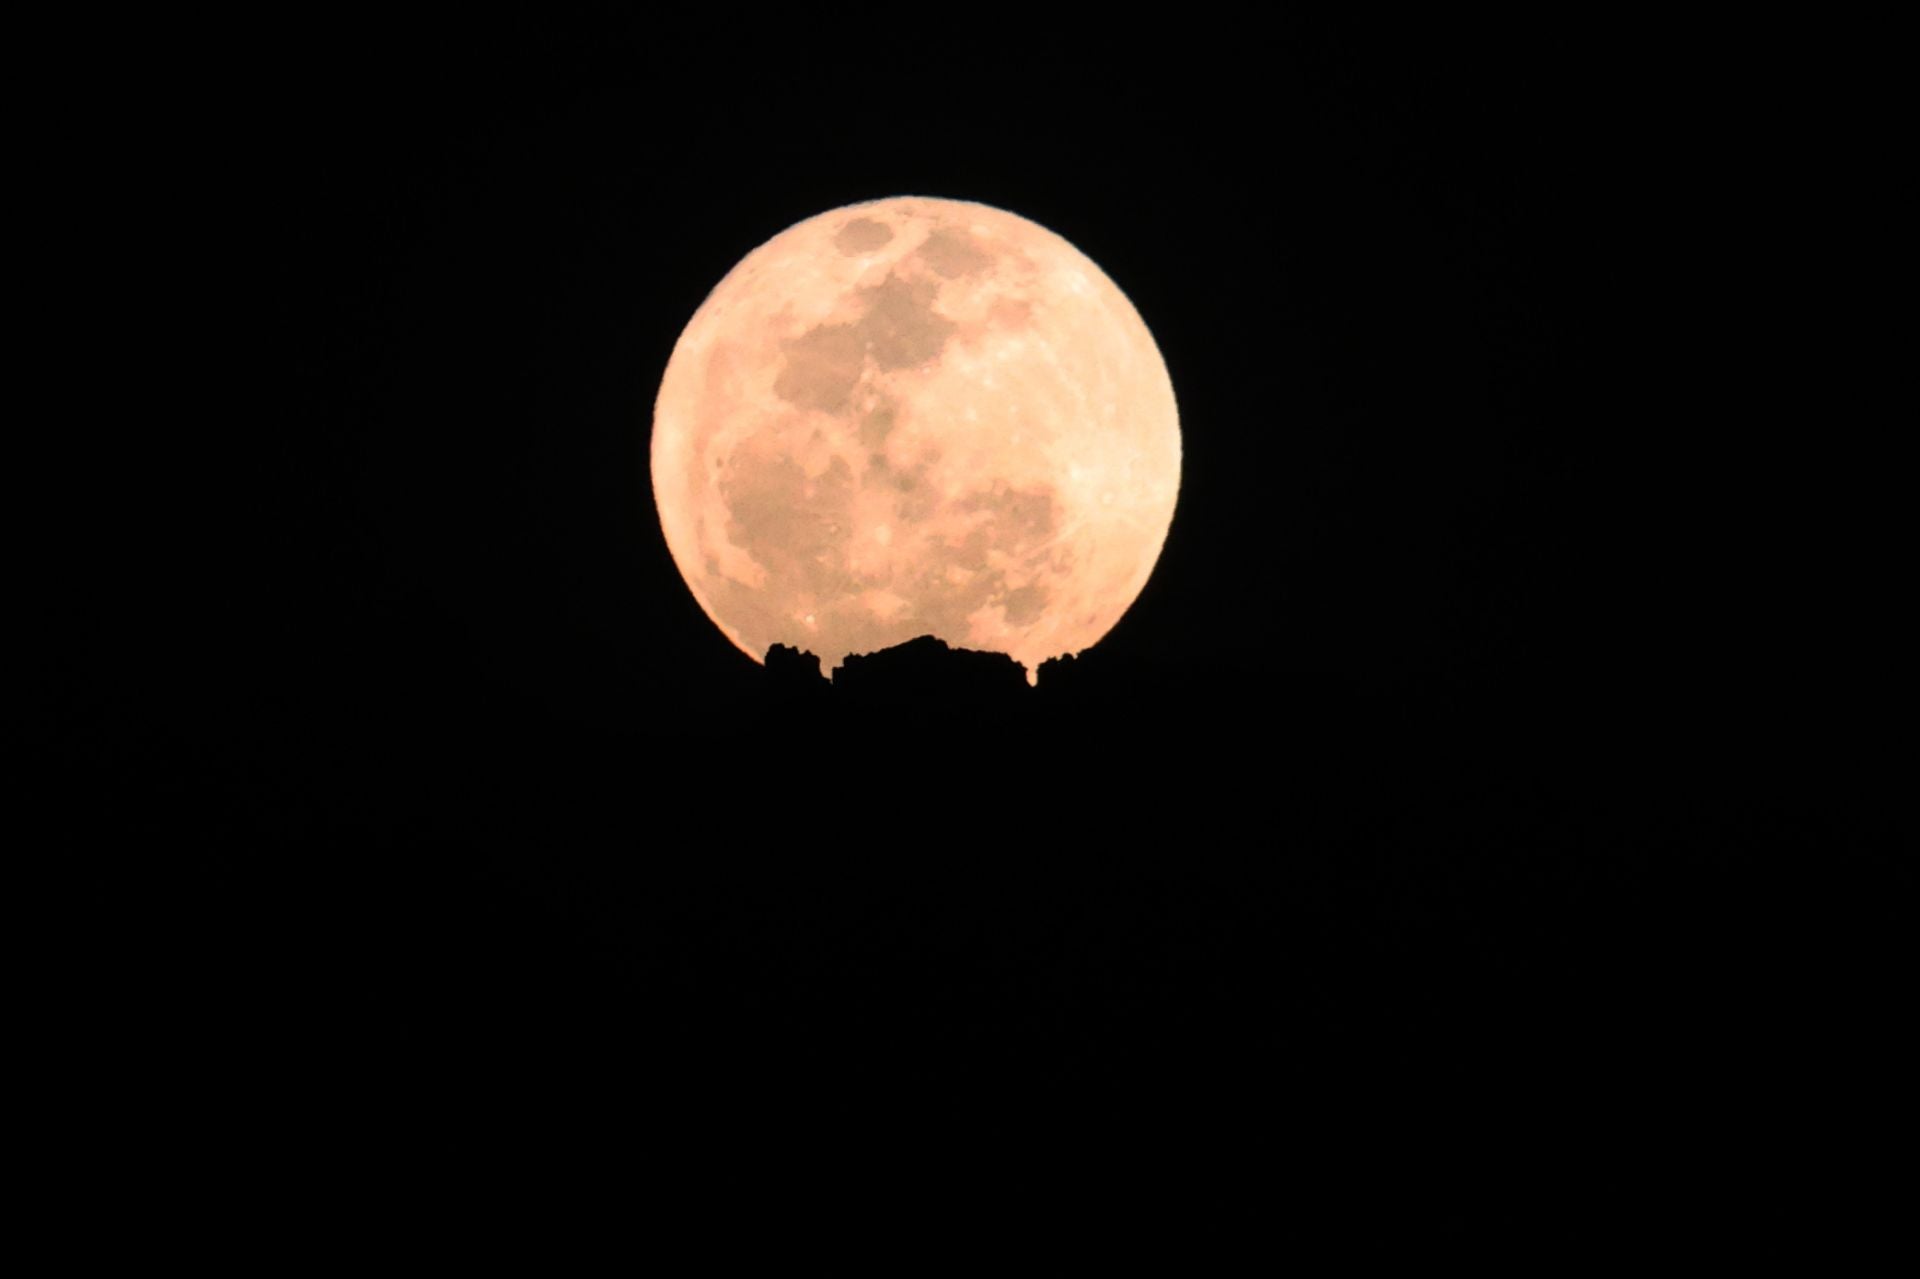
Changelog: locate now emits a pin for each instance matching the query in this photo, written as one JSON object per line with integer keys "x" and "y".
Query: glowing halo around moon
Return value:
{"x": 911, "y": 417}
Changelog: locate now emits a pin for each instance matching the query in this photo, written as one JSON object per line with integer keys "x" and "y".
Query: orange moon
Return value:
{"x": 914, "y": 417}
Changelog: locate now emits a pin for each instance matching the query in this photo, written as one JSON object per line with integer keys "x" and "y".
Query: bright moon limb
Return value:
{"x": 916, "y": 417}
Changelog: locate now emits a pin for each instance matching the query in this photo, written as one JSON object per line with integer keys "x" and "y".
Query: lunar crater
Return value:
{"x": 863, "y": 235}
{"x": 952, "y": 253}
{"x": 902, "y": 328}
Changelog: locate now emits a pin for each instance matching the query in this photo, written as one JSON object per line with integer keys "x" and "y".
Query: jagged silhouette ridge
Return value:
{"x": 923, "y": 674}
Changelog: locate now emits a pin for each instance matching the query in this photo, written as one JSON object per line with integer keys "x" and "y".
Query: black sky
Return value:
{"x": 1425, "y": 745}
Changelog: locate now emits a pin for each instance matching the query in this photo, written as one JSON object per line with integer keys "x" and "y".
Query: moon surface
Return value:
{"x": 911, "y": 417}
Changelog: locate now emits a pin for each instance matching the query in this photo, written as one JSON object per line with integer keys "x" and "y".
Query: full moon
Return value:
{"x": 915, "y": 417}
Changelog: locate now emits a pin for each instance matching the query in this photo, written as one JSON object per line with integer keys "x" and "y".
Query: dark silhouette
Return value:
{"x": 925, "y": 676}
{"x": 793, "y": 677}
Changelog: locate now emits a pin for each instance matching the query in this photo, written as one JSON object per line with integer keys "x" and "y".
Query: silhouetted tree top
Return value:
{"x": 790, "y": 670}
{"x": 923, "y": 674}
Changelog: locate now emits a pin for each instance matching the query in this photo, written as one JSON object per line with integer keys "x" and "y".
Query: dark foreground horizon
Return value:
{"x": 927, "y": 868}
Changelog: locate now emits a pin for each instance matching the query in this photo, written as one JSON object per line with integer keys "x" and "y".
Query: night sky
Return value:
{"x": 1430, "y": 752}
